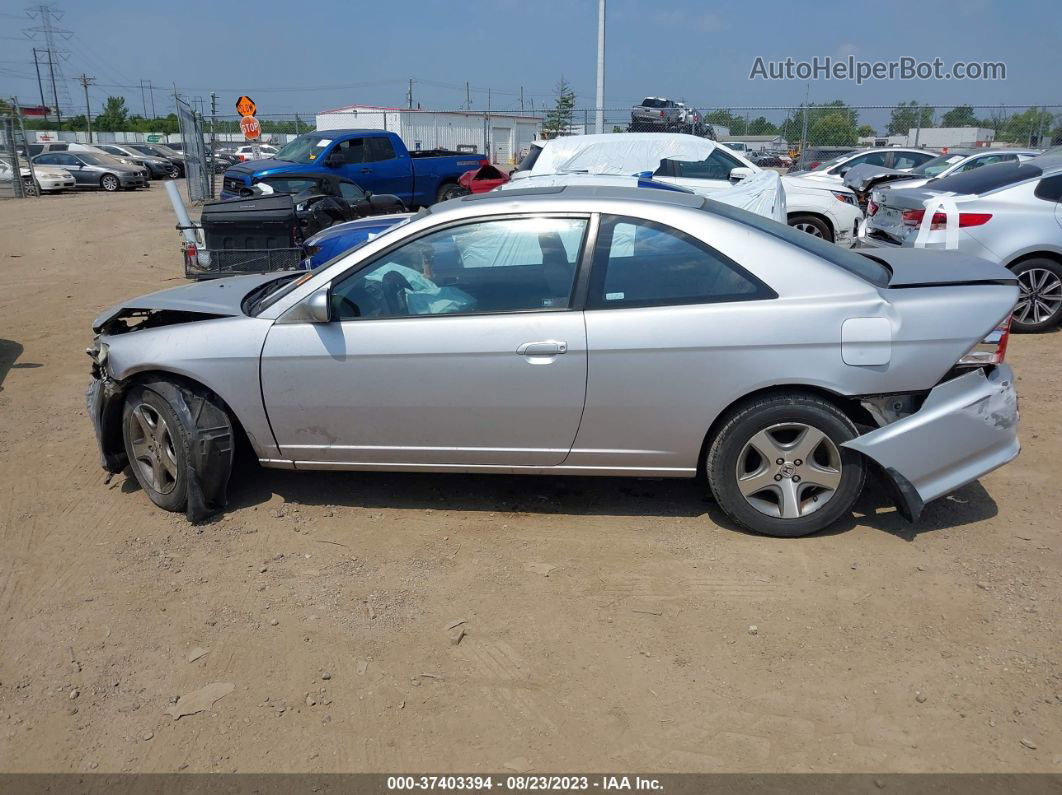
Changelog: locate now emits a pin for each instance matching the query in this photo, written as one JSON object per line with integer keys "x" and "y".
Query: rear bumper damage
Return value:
{"x": 966, "y": 427}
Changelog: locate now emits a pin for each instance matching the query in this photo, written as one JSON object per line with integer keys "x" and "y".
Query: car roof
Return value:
{"x": 576, "y": 195}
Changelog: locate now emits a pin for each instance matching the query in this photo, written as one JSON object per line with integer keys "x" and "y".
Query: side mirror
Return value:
{"x": 740, "y": 173}
{"x": 368, "y": 194}
{"x": 314, "y": 308}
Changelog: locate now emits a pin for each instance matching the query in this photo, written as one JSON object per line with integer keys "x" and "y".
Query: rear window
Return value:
{"x": 985, "y": 179}
{"x": 856, "y": 264}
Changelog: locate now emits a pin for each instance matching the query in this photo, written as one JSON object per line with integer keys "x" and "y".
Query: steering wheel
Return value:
{"x": 394, "y": 289}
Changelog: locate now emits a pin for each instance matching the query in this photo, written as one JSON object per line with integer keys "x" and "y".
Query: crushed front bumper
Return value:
{"x": 966, "y": 427}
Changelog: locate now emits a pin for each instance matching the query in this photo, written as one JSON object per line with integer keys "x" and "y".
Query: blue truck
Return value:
{"x": 375, "y": 159}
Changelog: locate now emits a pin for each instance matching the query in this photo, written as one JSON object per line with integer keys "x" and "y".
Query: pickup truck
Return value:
{"x": 376, "y": 160}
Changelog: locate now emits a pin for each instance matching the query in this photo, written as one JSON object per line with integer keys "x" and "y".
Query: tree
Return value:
{"x": 960, "y": 116}
{"x": 1025, "y": 128}
{"x": 558, "y": 120}
{"x": 909, "y": 115}
{"x": 865, "y": 131}
{"x": 760, "y": 126}
{"x": 832, "y": 124}
{"x": 115, "y": 115}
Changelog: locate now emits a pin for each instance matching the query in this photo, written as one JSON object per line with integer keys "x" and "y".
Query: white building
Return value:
{"x": 940, "y": 137}
{"x": 506, "y": 137}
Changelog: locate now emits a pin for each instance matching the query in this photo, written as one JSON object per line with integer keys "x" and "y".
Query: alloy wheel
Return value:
{"x": 1040, "y": 295}
{"x": 109, "y": 182}
{"x": 789, "y": 470}
{"x": 152, "y": 448}
{"x": 811, "y": 229}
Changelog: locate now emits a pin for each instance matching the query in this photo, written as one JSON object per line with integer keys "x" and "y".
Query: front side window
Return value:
{"x": 502, "y": 265}
{"x": 642, "y": 263}
{"x": 351, "y": 192}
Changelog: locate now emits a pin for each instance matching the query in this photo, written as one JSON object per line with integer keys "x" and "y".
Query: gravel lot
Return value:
{"x": 610, "y": 624}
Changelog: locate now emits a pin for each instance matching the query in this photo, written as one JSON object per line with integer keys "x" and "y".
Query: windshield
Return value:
{"x": 270, "y": 297}
{"x": 833, "y": 161}
{"x": 931, "y": 168}
{"x": 304, "y": 149}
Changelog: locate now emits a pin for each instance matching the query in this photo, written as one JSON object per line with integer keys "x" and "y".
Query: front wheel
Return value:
{"x": 109, "y": 183}
{"x": 174, "y": 435}
{"x": 777, "y": 466}
{"x": 815, "y": 227}
{"x": 450, "y": 190}
{"x": 1039, "y": 304}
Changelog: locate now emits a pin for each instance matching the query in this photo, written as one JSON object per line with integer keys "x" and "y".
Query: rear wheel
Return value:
{"x": 812, "y": 225}
{"x": 109, "y": 182}
{"x": 174, "y": 172}
{"x": 450, "y": 190}
{"x": 777, "y": 466}
{"x": 1039, "y": 304}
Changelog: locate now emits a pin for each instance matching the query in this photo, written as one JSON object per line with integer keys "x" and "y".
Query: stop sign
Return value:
{"x": 250, "y": 127}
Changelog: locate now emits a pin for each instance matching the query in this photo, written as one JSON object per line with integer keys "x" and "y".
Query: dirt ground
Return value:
{"x": 611, "y": 624}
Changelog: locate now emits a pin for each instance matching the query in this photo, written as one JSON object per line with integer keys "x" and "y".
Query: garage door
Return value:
{"x": 502, "y": 145}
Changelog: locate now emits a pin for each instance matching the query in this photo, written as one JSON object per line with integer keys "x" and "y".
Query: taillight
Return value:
{"x": 661, "y": 114}
{"x": 484, "y": 162}
{"x": 871, "y": 208}
{"x": 992, "y": 349}
{"x": 940, "y": 220}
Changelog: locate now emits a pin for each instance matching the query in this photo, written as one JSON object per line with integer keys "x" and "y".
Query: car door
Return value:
{"x": 458, "y": 348}
{"x": 388, "y": 172}
{"x": 668, "y": 317}
{"x": 701, "y": 176}
{"x": 83, "y": 174}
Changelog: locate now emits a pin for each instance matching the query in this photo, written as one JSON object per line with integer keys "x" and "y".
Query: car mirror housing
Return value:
{"x": 319, "y": 306}
{"x": 739, "y": 173}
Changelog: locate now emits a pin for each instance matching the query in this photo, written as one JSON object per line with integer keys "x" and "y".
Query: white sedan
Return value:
{"x": 265, "y": 151}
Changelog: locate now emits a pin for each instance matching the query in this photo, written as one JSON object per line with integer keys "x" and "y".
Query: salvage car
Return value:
{"x": 818, "y": 208}
{"x": 156, "y": 167}
{"x": 91, "y": 170}
{"x": 43, "y": 179}
{"x": 895, "y": 158}
{"x": 576, "y": 331}
{"x": 864, "y": 178}
{"x": 1010, "y": 214}
{"x": 482, "y": 179}
{"x": 322, "y": 200}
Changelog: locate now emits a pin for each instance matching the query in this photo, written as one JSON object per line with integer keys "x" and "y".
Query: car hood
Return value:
{"x": 789, "y": 181}
{"x": 925, "y": 267}
{"x": 863, "y": 177}
{"x": 221, "y": 297}
{"x": 265, "y": 167}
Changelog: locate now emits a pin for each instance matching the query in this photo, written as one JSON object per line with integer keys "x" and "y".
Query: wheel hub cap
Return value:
{"x": 789, "y": 470}
{"x": 152, "y": 448}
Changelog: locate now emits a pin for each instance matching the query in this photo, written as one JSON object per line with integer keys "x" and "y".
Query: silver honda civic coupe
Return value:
{"x": 577, "y": 331}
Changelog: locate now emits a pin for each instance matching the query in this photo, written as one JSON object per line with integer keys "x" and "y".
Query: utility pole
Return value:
{"x": 599, "y": 113}
{"x": 521, "y": 99}
{"x": 87, "y": 81}
{"x": 151, "y": 91}
{"x": 468, "y": 97}
{"x": 143, "y": 97}
{"x": 40, "y": 85}
{"x": 409, "y": 94}
{"x": 804, "y": 127}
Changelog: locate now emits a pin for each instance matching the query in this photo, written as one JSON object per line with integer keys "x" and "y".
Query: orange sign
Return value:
{"x": 245, "y": 106}
{"x": 250, "y": 127}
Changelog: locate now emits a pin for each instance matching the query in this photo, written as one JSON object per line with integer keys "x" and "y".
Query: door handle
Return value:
{"x": 543, "y": 348}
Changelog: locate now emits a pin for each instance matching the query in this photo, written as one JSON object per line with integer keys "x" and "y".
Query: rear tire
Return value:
{"x": 812, "y": 225}
{"x": 1039, "y": 306}
{"x": 451, "y": 190}
{"x": 174, "y": 172}
{"x": 817, "y": 482}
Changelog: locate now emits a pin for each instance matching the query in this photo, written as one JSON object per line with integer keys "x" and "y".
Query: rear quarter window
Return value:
{"x": 1050, "y": 188}
{"x": 858, "y": 265}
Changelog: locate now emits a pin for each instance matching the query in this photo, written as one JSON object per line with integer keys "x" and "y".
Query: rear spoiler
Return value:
{"x": 925, "y": 268}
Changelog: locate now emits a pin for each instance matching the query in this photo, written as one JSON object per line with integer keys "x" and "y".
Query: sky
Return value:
{"x": 308, "y": 56}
